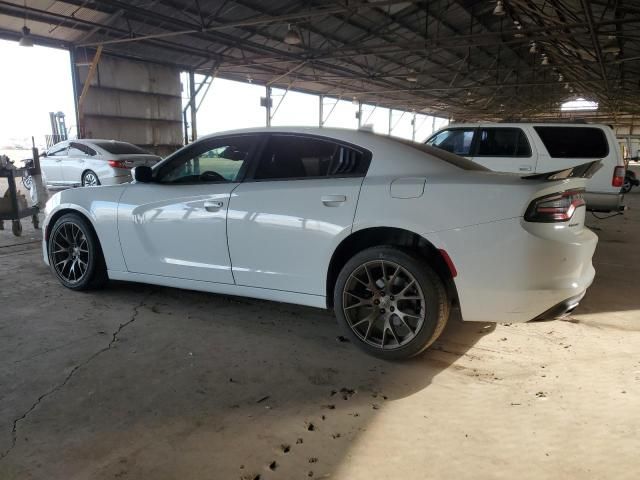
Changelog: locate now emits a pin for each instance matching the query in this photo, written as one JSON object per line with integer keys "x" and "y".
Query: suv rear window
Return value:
{"x": 502, "y": 142}
{"x": 121, "y": 148}
{"x": 574, "y": 142}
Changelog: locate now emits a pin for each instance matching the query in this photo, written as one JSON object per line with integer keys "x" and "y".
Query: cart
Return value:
{"x": 16, "y": 212}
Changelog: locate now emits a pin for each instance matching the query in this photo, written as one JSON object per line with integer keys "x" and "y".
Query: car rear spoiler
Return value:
{"x": 584, "y": 170}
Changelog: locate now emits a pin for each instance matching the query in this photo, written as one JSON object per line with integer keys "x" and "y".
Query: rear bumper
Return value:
{"x": 119, "y": 176}
{"x": 603, "y": 202}
{"x": 561, "y": 309}
{"x": 507, "y": 273}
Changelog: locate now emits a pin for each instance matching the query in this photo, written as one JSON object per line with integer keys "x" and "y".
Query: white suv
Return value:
{"x": 542, "y": 147}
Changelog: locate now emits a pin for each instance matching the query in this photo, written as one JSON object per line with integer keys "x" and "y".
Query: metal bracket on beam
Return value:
{"x": 85, "y": 88}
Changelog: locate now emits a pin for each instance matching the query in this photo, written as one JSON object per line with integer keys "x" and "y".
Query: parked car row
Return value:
{"x": 90, "y": 162}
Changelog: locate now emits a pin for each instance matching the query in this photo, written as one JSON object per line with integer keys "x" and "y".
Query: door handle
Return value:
{"x": 525, "y": 168}
{"x": 213, "y": 205}
{"x": 333, "y": 200}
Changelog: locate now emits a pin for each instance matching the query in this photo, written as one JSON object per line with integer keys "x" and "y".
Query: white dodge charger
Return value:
{"x": 389, "y": 233}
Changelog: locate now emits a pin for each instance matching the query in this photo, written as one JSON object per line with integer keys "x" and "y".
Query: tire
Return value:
{"x": 16, "y": 227}
{"x": 72, "y": 239}
{"x": 27, "y": 182}
{"x": 626, "y": 186}
{"x": 90, "y": 179}
{"x": 367, "y": 308}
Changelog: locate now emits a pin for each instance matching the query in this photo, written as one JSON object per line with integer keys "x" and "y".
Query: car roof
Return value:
{"x": 401, "y": 155}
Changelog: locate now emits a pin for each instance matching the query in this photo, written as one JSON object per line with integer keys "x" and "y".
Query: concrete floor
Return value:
{"x": 139, "y": 382}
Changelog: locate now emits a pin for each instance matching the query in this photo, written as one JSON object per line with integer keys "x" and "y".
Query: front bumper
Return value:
{"x": 507, "y": 273}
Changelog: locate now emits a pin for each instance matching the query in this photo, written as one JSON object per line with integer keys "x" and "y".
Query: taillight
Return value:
{"x": 618, "y": 177}
{"x": 557, "y": 207}
{"x": 118, "y": 164}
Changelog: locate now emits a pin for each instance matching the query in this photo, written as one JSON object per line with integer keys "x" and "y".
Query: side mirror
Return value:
{"x": 142, "y": 174}
{"x": 43, "y": 154}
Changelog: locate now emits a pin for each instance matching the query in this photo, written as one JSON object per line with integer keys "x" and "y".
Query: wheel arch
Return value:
{"x": 63, "y": 211}
{"x": 390, "y": 236}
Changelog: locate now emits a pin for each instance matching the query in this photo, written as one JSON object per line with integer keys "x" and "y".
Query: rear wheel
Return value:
{"x": 75, "y": 255}
{"x": 90, "y": 179}
{"x": 390, "y": 302}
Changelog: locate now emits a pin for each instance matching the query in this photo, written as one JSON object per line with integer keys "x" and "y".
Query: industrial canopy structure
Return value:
{"x": 468, "y": 59}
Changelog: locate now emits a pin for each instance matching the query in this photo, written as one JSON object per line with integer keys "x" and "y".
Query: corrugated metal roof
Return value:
{"x": 461, "y": 59}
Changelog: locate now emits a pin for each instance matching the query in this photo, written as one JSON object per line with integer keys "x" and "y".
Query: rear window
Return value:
{"x": 121, "y": 148}
{"x": 574, "y": 142}
{"x": 455, "y": 160}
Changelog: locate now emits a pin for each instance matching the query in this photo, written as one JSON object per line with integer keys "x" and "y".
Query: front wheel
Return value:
{"x": 390, "y": 302}
{"x": 626, "y": 186}
{"x": 75, "y": 255}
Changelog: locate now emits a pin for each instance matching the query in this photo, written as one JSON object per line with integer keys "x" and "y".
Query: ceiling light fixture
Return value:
{"x": 518, "y": 33}
{"x": 412, "y": 77}
{"x": 292, "y": 37}
{"x": 534, "y": 48}
{"x": 545, "y": 60}
{"x": 499, "y": 10}
{"x": 26, "y": 40}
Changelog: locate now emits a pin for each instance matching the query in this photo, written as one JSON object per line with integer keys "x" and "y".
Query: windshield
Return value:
{"x": 121, "y": 148}
{"x": 450, "y": 158}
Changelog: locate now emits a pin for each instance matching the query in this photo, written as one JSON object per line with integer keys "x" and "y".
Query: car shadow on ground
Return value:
{"x": 196, "y": 382}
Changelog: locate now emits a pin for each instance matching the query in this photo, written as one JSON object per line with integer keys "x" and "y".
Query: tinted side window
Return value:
{"x": 503, "y": 142}
{"x": 216, "y": 161}
{"x": 289, "y": 156}
{"x": 80, "y": 149}
{"x": 455, "y": 140}
{"x": 57, "y": 151}
{"x": 574, "y": 142}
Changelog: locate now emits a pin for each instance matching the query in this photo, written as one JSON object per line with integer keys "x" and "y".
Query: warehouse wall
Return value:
{"x": 133, "y": 101}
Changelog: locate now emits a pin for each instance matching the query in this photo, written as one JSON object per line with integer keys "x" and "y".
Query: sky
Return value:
{"x": 39, "y": 82}
{"x": 229, "y": 105}
{"x": 33, "y": 82}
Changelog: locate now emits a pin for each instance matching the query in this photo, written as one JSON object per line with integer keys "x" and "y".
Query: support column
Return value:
{"x": 390, "y": 119}
{"x": 268, "y": 106}
{"x": 75, "y": 82}
{"x": 192, "y": 106}
{"x": 321, "y": 110}
{"x": 359, "y": 114}
{"x": 413, "y": 127}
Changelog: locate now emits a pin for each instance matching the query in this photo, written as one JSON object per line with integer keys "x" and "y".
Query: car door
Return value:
{"x": 75, "y": 163}
{"x": 285, "y": 218}
{"x": 51, "y": 165}
{"x": 504, "y": 149}
{"x": 176, "y": 226}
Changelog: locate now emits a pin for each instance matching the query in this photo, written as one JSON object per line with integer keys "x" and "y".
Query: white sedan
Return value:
{"x": 388, "y": 233}
{"x": 90, "y": 162}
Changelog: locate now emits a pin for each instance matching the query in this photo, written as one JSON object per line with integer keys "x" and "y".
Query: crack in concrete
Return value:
{"x": 114, "y": 339}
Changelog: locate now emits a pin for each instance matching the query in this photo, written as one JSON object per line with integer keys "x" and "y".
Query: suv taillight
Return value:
{"x": 557, "y": 207}
{"x": 118, "y": 164}
{"x": 618, "y": 177}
